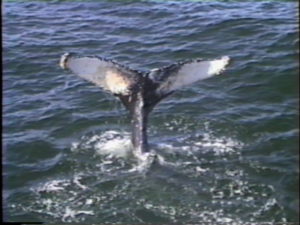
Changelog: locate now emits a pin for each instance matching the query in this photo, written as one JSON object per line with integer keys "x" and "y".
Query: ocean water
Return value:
{"x": 227, "y": 147}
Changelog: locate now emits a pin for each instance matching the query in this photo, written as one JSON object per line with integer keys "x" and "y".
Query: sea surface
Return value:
{"x": 226, "y": 147}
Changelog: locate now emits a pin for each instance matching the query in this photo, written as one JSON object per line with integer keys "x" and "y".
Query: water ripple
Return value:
{"x": 67, "y": 156}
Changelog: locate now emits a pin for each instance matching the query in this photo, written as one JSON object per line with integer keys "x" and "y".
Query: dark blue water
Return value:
{"x": 227, "y": 147}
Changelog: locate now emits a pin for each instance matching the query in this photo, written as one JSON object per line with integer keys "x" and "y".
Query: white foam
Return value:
{"x": 117, "y": 147}
{"x": 53, "y": 186}
{"x": 71, "y": 213}
{"x": 89, "y": 201}
{"x": 218, "y": 145}
{"x": 208, "y": 143}
{"x": 110, "y": 143}
{"x": 77, "y": 182}
{"x": 145, "y": 160}
{"x": 201, "y": 170}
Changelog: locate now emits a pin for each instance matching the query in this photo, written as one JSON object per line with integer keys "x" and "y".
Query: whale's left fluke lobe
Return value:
{"x": 120, "y": 81}
{"x": 140, "y": 92}
{"x": 106, "y": 74}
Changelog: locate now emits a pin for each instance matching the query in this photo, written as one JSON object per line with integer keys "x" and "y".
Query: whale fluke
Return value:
{"x": 141, "y": 91}
{"x": 181, "y": 74}
{"x": 106, "y": 74}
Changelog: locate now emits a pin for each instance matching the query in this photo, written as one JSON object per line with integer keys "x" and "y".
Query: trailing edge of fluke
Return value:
{"x": 141, "y": 91}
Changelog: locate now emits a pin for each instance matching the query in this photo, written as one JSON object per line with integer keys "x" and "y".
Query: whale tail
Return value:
{"x": 141, "y": 91}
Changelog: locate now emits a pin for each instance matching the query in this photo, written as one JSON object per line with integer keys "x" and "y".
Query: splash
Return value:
{"x": 114, "y": 144}
{"x": 106, "y": 183}
{"x": 70, "y": 214}
{"x": 110, "y": 143}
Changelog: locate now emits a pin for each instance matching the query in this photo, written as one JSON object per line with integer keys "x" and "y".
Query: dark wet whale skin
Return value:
{"x": 140, "y": 103}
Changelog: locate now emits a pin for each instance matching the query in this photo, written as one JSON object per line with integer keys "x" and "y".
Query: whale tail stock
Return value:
{"x": 141, "y": 91}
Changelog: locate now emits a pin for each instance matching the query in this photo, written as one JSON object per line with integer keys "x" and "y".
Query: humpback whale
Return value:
{"x": 141, "y": 91}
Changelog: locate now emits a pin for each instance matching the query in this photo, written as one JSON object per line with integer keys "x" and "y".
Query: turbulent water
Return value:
{"x": 227, "y": 147}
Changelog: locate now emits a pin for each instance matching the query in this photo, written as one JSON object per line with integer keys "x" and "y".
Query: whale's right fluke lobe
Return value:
{"x": 140, "y": 92}
{"x": 175, "y": 76}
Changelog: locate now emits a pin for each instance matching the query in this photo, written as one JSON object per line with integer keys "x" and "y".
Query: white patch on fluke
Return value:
{"x": 103, "y": 73}
{"x": 63, "y": 60}
{"x": 217, "y": 66}
{"x": 91, "y": 69}
{"x": 117, "y": 83}
{"x": 192, "y": 72}
{"x": 86, "y": 67}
